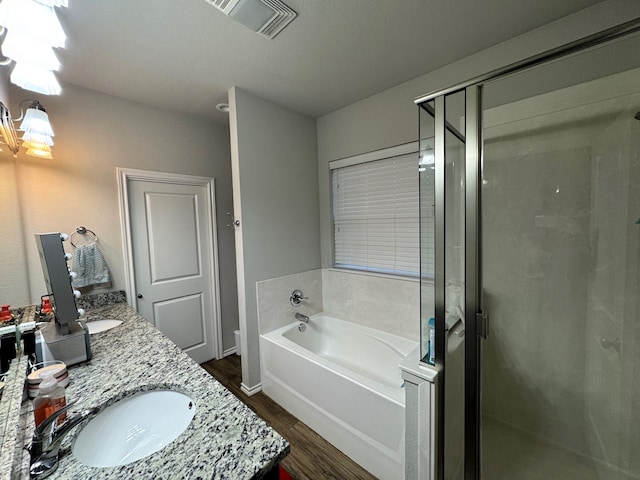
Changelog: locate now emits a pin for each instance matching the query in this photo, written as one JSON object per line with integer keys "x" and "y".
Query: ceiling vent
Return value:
{"x": 266, "y": 17}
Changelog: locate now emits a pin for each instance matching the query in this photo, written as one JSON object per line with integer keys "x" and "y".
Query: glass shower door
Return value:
{"x": 561, "y": 276}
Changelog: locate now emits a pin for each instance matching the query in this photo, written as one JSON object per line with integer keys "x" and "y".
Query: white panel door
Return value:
{"x": 171, "y": 235}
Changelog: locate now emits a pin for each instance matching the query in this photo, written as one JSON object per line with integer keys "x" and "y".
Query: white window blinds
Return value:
{"x": 376, "y": 215}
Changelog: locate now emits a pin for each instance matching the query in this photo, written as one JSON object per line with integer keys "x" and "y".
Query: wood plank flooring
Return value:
{"x": 311, "y": 457}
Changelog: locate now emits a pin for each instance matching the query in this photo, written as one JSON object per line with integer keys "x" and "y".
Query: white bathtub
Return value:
{"x": 342, "y": 379}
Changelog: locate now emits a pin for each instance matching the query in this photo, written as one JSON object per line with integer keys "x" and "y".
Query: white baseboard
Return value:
{"x": 251, "y": 391}
{"x": 229, "y": 351}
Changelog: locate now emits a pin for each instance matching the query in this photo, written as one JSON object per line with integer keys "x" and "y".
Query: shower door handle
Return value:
{"x": 482, "y": 324}
{"x": 610, "y": 344}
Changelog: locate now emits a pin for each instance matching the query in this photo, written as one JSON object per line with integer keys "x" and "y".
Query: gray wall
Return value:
{"x": 94, "y": 134}
{"x": 391, "y": 118}
{"x": 276, "y": 200}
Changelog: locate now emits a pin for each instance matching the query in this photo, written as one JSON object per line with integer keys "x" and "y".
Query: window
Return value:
{"x": 375, "y": 202}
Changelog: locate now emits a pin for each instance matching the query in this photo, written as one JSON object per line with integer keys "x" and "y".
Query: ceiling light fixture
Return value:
{"x": 54, "y": 3}
{"x": 24, "y": 49}
{"x": 40, "y": 152}
{"x": 37, "y": 138}
{"x": 266, "y": 17}
{"x": 32, "y": 31}
{"x": 36, "y": 120}
{"x": 35, "y": 79}
{"x": 34, "y": 19}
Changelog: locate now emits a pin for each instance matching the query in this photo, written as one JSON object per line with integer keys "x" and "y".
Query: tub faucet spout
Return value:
{"x": 301, "y": 317}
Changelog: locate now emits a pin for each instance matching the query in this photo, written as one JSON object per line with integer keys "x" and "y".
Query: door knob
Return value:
{"x": 139, "y": 295}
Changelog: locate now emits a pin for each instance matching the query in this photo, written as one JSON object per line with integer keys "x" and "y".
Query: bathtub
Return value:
{"x": 342, "y": 379}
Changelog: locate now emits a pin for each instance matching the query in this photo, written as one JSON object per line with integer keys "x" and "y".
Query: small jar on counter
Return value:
{"x": 50, "y": 399}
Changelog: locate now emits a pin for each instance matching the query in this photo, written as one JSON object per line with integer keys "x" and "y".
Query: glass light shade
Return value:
{"x": 32, "y": 19}
{"x": 31, "y": 138}
{"x": 41, "y": 142}
{"x": 54, "y": 3}
{"x": 35, "y": 79}
{"x": 24, "y": 49}
{"x": 36, "y": 122}
{"x": 41, "y": 153}
{"x": 9, "y": 9}
{"x": 427, "y": 157}
{"x": 36, "y": 146}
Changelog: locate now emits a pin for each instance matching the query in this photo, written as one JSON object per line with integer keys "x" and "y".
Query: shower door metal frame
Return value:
{"x": 440, "y": 132}
{"x": 475, "y": 319}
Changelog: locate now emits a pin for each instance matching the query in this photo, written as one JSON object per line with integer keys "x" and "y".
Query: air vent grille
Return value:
{"x": 223, "y": 5}
{"x": 266, "y": 17}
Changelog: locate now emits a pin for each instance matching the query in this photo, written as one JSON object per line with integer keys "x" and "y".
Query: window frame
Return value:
{"x": 410, "y": 148}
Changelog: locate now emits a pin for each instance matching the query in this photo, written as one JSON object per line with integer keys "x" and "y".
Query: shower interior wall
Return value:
{"x": 559, "y": 275}
{"x": 613, "y": 376}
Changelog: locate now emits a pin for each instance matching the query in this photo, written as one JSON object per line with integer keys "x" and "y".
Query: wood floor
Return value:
{"x": 311, "y": 457}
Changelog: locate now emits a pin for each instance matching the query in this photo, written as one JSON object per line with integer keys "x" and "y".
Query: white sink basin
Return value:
{"x": 133, "y": 428}
{"x": 102, "y": 325}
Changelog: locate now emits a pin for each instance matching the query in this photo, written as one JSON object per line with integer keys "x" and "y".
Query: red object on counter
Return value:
{"x": 5, "y": 313}
{"x": 46, "y": 306}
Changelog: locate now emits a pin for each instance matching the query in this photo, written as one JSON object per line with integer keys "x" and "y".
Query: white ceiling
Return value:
{"x": 184, "y": 55}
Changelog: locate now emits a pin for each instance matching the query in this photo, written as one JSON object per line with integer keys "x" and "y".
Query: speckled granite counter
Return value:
{"x": 10, "y": 403}
{"x": 10, "y": 414}
{"x": 225, "y": 438}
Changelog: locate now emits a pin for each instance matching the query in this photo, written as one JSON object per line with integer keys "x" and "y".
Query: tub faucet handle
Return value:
{"x": 296, "y": 298}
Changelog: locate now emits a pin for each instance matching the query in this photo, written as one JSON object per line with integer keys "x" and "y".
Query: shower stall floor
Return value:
{"x": 510, "y": 454}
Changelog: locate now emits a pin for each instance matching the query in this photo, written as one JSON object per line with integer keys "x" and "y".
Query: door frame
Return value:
{"x": 126, "y": 174}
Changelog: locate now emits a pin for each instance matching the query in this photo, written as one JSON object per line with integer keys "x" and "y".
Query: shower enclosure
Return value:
{"x": 530, "y": 182}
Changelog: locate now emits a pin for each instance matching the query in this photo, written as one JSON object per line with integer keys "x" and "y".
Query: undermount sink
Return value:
{"x": 98, "y": 326}
{"x": 134, "y": 428}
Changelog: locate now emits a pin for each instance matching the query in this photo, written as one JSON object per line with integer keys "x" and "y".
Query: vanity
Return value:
{"x": 224, "y": 439}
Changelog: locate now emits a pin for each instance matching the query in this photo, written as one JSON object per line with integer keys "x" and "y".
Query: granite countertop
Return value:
{"x": 10, "y": 414}
{"x": 10, "y": 404}
{"x": 225, "y": 438}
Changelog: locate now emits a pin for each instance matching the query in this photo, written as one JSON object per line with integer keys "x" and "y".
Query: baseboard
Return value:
{"x": 229, "y": 351}
{"x": 251, "y": 391}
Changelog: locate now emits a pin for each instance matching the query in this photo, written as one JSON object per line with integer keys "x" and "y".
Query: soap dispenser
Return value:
{"x": 50, "y": 399}
{"x": 432, "y": 341}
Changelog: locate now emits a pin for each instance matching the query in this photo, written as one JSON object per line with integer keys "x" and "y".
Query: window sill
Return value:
{"x": 380, "y": 275}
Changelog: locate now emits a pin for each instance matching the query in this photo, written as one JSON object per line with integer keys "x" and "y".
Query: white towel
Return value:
{"x": 90, "y": 266}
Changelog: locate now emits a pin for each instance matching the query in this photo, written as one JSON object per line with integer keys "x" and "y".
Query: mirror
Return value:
{"x": 13, "y": 258}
